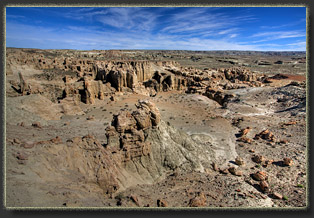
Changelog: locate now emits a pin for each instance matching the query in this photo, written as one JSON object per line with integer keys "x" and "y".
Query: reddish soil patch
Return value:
{"x": 296, "y": 77}
{"x": 289, "y": 77}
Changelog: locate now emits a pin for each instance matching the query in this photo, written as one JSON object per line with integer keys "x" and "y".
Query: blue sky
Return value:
{"x": 177, "y": 28}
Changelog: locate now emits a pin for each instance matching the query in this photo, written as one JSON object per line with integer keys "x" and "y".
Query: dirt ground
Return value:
{"x": 39, "y": 176}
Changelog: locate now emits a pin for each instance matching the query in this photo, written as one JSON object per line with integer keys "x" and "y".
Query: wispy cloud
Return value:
{"x": 280, "y": 34}
{"x": 130, "y": 19}
{"x": 121, "y": 18}
{"x": 297, "y": 44}
{"x": 190, "y": 22}
{"x": 233, "y": 35}
{"x": 15, "y": 16}
{"x": 91, "y": 40}
{"x": 196, "y": 28}
{"x": 267, "y": 36}
{"x": 287, "y": 25}
{"x": 226, "y": 31}
{"x": 202, "y": 20}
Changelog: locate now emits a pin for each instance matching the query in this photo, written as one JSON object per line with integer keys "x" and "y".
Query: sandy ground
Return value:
{"x": 193, "y": 114}
{"x": 277, "y": 107}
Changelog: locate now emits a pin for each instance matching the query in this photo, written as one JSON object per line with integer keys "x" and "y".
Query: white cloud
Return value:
{"x": 279, "y": 35}
{"x": 285, "y": 25}
{"x": 297, "y": 44}
{"x": 15, "y": 16}
{"x": 233, "y": 35}
{"x": 195, "y": 19}
{"x": 139, "y": 28}
{"x": 130, "y": 19}
{"x": 226, "y": 31}
{"x": 110, "y": 40}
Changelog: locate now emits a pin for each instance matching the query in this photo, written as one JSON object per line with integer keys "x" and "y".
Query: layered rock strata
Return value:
{"x": 91, "y": 79}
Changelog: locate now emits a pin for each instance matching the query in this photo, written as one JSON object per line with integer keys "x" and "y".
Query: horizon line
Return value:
{"x": 156, "y": 50}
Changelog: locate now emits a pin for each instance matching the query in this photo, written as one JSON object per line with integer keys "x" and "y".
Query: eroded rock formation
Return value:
{"x": 91, "y": 79}
{"x": 140, "y": 149}
{"x": 146, "y": 146}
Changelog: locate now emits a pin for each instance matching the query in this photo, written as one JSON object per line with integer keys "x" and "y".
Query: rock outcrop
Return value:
{"x": 94, "y": 89}
{"x": 166, "y": 82}
{"x": 132, "y": 135}
{"x": 91, "y": 78}
{"x": 126, "y": 134}
{"x": 148, "y": 147}
{"x": 24, "y": 87}
{"x": 198, "y": 201}
{"x": 219, "y": 96}
{"x": 140, "y": 149}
